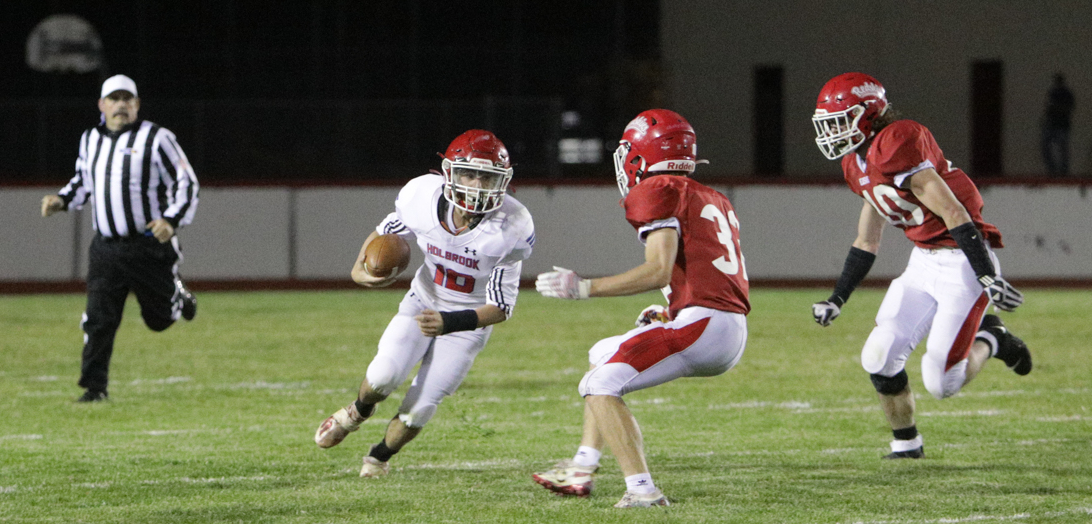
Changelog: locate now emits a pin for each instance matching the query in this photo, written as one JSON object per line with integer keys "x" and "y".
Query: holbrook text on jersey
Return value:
{"x": 458, "y": 259}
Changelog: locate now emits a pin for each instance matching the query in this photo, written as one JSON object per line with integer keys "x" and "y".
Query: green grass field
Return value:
{"x": 212, "y": 421}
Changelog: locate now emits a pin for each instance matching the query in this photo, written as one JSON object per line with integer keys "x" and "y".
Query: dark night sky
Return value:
{"x": 341, "y": 49}
{"x": 272, "y": 75}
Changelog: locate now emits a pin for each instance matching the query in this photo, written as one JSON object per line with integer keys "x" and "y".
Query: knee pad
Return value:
{"x": 418, "y": 416}
{"x": 942, "y": 383}
{"x": 383, "y": 376}
{"x": 890, "y": 385}
{"x": 608, "y": 379}
{"x": 582, "y": 388}
{"x": 876, "y": 349}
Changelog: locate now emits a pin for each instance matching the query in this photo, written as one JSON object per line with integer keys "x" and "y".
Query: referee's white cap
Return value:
{"x": 118, "y": 83}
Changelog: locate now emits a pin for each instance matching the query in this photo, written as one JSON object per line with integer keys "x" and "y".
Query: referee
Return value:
{"x": 143, "y": 191}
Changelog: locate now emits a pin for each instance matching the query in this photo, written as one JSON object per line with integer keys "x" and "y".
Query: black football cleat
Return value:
{"x": 93, "y": 395}
{"x": 915, "y": 453}
{"x": 189, "y": 302}
{"x": 1010, "y": 348}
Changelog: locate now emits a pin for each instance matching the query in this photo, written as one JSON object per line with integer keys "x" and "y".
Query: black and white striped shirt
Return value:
{"x": 133, "y": 176}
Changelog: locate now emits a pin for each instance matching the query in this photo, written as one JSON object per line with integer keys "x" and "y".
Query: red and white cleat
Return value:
{"x": 567, "y": 478}
{"x": 338, "y": 426}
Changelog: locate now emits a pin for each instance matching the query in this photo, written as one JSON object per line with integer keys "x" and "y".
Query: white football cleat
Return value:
{"x": 633, "y": 500}
{"x": 338, "y": 426}
{"x": 374, "y": 468}
{"x": 568, "y": 479}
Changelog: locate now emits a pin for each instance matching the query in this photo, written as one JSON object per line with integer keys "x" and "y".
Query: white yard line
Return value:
{"x": 983, "y": 518}
{"x": 160, "y": 381}
{"x": 484, "y": 464}
{"x": 211, "y": 480}
{"x": 980, "y": 413}
{"x": 21, "y": 437}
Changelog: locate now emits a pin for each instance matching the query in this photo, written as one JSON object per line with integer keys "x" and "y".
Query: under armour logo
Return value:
{"x": 471, "y": 252}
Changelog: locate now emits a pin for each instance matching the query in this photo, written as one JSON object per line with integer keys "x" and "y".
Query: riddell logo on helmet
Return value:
{"x": 867, "y": 89}
{"x": 683, "y": 165}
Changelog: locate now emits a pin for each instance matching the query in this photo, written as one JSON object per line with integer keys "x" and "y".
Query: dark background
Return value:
{"x": 338, "y": 90}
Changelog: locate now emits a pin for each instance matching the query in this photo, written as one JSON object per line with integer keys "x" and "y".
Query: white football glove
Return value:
{"x": 653, "y": 313}
{"x": 364, "y": 278}
{"x": 825, "y": 312}
{"x": 1001, "y": 293}
{"x": 563, "y": 283}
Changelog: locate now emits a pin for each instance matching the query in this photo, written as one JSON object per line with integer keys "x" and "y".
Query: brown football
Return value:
{"x": 387, "y": 255}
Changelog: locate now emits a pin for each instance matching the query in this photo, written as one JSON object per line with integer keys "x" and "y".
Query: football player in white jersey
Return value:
{"x": 474, "y": 239}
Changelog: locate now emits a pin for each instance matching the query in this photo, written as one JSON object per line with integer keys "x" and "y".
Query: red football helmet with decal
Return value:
{"x": 657, "y": 140}
{"x": 476, "y": 171}
{"x": 847, "y": 106}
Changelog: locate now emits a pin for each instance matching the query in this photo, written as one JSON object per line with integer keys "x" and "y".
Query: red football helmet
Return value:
{"x": 657, "y": 140}
{"x": 476, "y": 171}
{"x": 843, "y": 117}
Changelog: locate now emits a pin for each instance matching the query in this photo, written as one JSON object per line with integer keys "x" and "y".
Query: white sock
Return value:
{"x": 990, "y": 341}
{"x": 640, "y": 484}
{"x": 907, "y": 445}
{"x": 587, "y": 456}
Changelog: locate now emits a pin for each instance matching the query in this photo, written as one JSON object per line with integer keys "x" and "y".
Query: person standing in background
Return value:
{"x": 1057, "y": 119}
{"x": 143, "y": 191}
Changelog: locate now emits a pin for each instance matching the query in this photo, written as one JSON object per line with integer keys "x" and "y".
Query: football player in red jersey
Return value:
{"x": 896, "y": 166}
{"x": 691, "y": 237}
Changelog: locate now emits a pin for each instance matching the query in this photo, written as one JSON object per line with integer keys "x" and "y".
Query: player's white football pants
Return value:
{"x": 699, "y": 342}
{"x": 445, "y": 362}
{"x": 937, "y": 295}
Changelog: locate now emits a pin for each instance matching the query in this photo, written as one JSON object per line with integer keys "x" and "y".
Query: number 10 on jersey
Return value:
{"x": 453, "y": 280}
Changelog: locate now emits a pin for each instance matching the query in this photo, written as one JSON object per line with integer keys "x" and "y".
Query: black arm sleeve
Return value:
{"x": 858, "y": 263}
{"x": 465, "y": 320}
{"x": 970, "y": 241}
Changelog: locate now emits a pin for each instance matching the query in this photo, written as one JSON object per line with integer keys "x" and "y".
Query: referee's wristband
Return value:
{"x": 465, "y": 320}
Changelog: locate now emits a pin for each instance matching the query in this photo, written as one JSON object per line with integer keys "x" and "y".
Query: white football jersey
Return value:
{"x": 480, "y": 266}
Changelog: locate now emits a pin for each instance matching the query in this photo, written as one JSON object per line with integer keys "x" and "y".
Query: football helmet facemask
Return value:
{"x": 657, "y": 140}
{"x": 847, "y": 106}
{"x": 476, "y": 171}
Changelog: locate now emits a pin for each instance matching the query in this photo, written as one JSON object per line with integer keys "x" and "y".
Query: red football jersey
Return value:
{"x": 709, "y": 268}
{"x": 883, "y": 179}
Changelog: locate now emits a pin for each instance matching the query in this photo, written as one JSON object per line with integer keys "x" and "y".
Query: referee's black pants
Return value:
{"x": 117, "y": 266}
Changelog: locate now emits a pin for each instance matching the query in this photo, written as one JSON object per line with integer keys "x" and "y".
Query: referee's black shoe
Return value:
{"x": 189, "y": 302}
{"x": 93, "y": 395}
